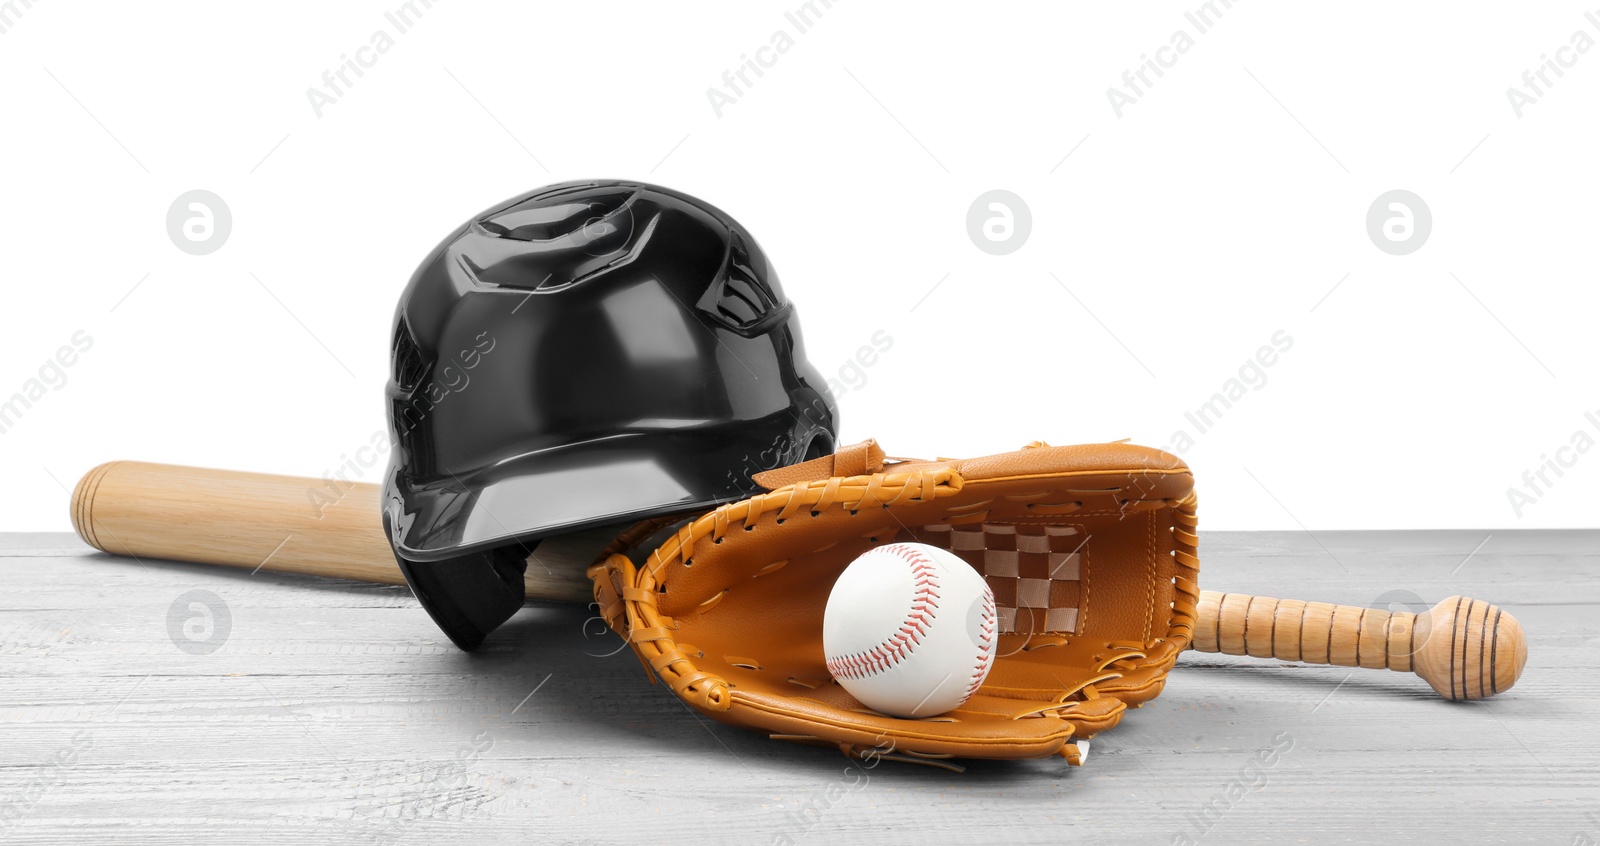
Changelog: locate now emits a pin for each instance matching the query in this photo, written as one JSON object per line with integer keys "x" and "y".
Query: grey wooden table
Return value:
{"x": 175, "y": 703}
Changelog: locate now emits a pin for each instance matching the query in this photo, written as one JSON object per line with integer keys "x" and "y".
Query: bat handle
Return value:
{"x": 1464, "y": 648}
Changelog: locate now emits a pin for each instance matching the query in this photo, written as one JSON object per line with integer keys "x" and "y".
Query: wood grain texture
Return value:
{"x": 287, "y": 524}
{"x": 1464, "y": 648}
{"x": 335, "y": 712}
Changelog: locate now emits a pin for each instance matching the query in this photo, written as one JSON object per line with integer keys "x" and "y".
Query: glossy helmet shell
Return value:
{"x": 584, "y": 354}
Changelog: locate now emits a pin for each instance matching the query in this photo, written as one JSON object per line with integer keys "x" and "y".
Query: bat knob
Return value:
{"x": 1468, "y": 649}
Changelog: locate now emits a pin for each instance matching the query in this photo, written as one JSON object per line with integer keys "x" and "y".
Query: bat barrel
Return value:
{"x": 251, "y": 520}
{"x": 290, "y": 524}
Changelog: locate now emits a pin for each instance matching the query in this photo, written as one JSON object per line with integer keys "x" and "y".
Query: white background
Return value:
{"x": 1226, "y": 204}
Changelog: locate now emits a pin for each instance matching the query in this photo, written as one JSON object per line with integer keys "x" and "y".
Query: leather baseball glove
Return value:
{"x": 1089, "y": 550}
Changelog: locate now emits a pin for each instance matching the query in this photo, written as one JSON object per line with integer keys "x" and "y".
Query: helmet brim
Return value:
{"x": 578, "y": 486}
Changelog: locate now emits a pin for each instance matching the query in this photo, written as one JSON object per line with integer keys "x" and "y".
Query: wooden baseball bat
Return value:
{"x": 1463, "y": 648}
{"x": 289, "y": 524}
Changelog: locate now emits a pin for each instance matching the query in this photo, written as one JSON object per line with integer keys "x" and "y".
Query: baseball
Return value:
{"x": 909, "y": 630}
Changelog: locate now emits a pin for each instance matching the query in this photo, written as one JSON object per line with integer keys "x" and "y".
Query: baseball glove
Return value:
{"x": 1089, "y": 550}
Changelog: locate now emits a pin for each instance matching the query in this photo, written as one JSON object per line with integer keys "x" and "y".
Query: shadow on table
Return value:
{"x": 563, "y": 673}
{"x": 1314, "y": 681}
{"x": 587, "y": 679}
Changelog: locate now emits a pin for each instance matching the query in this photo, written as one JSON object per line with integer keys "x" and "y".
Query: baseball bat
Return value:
{"x": 1464, "y": 648}
{"x": 289, "y": 524}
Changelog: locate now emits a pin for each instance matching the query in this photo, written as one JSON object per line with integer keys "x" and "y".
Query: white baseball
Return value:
{"x": 909, "y": 630}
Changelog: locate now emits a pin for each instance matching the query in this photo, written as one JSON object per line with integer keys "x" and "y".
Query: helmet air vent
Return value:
{"x": 740, "y": 297}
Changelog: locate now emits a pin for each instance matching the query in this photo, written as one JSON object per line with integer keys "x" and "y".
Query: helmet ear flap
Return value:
{"x": 471, "y": 595}
{"x": 821, "y": 444}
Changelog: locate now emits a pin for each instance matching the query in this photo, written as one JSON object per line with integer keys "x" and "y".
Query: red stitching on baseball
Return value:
{"x": 986, "y": 634}
{"x": 924, "y": 600}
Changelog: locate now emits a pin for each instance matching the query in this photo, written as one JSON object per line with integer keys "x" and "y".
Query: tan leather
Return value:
{"x": 728, "y": 611}
{"x": 855, "y": 460}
